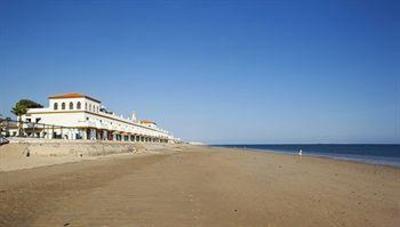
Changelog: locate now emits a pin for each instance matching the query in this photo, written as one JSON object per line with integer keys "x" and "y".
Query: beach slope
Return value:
{"x": 202, "y": 186}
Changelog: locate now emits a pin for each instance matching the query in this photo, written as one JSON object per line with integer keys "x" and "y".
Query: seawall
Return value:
{"x": 30, "y": 153}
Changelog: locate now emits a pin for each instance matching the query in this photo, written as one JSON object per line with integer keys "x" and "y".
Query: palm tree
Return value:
{"x": 21, "y": 108}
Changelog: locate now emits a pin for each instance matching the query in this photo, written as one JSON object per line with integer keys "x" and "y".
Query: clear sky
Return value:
{"x": 215, "y": 71}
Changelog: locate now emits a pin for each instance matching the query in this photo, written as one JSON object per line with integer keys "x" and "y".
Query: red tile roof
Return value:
{"x": 72, "y": 95}
{"x": 147, "y": 122}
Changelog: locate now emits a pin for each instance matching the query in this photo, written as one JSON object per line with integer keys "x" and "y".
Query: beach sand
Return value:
{"x": 202, "y": 186}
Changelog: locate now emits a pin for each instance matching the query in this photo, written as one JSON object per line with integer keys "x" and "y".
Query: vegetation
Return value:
{"x": 21, "y": 107}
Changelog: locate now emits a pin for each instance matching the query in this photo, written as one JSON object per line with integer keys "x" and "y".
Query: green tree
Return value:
{"x": 21, "y": 108}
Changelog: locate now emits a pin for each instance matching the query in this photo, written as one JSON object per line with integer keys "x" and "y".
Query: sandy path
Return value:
{"x": 208, "y": 188}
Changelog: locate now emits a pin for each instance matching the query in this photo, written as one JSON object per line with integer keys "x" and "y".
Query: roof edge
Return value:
{"x": 73, "y": 95}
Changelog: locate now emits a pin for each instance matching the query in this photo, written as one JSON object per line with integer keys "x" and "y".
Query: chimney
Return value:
{"x": 134, "y": 119}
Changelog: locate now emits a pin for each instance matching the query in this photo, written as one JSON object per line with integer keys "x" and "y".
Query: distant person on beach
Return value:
{"x": 300, "y": 152}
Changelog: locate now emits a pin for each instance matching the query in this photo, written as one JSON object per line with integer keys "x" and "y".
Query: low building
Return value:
{"x": 8, "y": 128}
{"x": 78, "y": 116}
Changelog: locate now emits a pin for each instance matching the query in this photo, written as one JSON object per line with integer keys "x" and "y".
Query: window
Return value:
{"x": 71, "y": 106}
{"x": 55, "y": 106}
{"x": 85, "y": 106}
{"x": 28, "y": 120}
{"x": 63, "y": 106}
{"x": 38, "y": 119}
{"x": 90, "y": 107}
{"x": 78, "y": 105}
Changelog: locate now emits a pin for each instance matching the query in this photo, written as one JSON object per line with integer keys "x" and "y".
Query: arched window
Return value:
{"x": 71, "y": 106}
{"x": 78, "y": 105}
{"x": 85, "y": 106}
{"x": 55, "y": 106}
{"x": 90, "y": 107}
{"x": 63, "y": 106}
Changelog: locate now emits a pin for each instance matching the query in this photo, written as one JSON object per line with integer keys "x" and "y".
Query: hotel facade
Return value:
{"x": 76, "y": 116}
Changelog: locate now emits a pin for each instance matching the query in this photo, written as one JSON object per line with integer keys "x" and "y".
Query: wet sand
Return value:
{"x": 201, "y": 186}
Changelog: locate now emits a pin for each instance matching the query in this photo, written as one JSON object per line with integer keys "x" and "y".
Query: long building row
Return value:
{"x": 77, "y": 116}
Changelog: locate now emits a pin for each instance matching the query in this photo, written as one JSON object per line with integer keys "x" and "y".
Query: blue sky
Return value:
{"x": 215, "y": 71}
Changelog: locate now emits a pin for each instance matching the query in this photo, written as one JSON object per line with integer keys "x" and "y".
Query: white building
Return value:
{"x": 77, "y": 116}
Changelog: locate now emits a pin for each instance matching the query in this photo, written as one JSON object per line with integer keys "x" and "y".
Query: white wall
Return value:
{"x": 91, "y": 117}
{"x": 86, "y": 104}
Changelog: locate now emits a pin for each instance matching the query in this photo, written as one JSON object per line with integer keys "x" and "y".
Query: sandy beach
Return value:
{"x": 202, "y": 186}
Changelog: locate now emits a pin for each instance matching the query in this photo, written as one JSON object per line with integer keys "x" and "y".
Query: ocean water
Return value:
{"x": 380, "y": 154}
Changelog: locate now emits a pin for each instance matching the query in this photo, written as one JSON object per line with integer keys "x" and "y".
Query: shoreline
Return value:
{"x": 314, "y": 157}
{"x": 338, "y": 157}
{"x": 121, "y": 149}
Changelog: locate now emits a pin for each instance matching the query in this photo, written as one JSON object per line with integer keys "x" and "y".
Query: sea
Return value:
{"x": 377, "y": 154}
